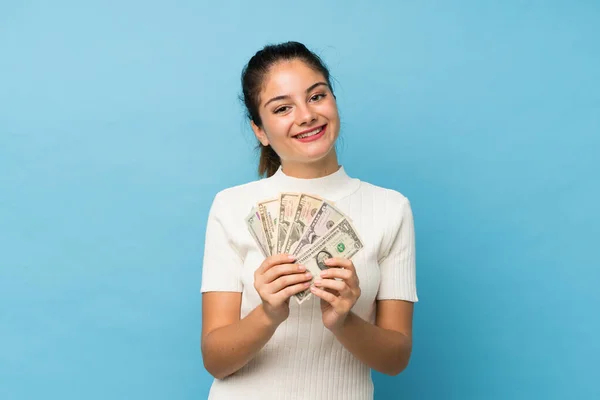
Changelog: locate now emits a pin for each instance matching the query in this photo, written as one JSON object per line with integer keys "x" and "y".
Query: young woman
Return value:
{"x": 255, "y": 341}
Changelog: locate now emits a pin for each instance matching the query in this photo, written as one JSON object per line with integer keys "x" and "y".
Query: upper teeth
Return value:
{"x": 311, "y": 133}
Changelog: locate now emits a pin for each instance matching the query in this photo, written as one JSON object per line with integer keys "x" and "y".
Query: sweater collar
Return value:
{"x": 331, "y": 187}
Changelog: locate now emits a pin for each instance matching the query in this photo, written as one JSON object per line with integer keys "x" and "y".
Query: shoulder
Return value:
{"x": 391, "y": 214}
{"x": 390, "y": 209}
{"x": 382, "y": 196}
{"x": 235, "y": 203}
{"x": 239, "y": 194}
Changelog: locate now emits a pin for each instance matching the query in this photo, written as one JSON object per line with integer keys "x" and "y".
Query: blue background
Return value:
{"x": 119, "y": 121}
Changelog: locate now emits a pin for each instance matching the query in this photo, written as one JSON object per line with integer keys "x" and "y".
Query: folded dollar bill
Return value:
{"x": 304, "y": 225}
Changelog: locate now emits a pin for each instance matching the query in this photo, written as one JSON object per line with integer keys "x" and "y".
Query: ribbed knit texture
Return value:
{"x": 303, "y": 360}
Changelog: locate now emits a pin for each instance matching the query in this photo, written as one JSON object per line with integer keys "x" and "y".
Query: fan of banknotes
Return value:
{"x": 306, "y": 226}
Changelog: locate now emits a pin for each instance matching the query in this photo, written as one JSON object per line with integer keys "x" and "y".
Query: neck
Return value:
{"x": 318, "y": 169}
{"x": 326, "y": 180}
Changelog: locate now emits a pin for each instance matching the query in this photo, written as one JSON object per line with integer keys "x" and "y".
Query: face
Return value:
{"x": 299, "y": 114}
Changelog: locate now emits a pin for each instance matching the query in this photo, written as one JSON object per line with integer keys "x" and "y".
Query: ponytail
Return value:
{"x": 269, "y": 161}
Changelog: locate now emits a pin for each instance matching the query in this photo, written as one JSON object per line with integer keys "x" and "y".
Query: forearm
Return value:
{"x": 383, "y": 350}
{"x": 227, "y": 349}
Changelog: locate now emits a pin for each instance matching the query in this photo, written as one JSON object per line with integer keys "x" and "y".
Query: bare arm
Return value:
{"x": 385, "y": 346}
{"x": 228, "y": 342}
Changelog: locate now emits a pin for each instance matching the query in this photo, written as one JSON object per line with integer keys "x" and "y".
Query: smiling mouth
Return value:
{"x": 308, "y": 134}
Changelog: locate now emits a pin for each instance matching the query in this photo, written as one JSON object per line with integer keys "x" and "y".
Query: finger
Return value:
{"x": 336, "y": 272}
{"x": 338, "y": 286}
{"x": 325, "y": 295}
{"x": 293, "y": 289}
{"x": 282, "y": 269}
{"x": 277, "y": 259}
{"x": 333, "y": 292}
{"x": 339, "y": 262}
{"x": 288, "y": 280}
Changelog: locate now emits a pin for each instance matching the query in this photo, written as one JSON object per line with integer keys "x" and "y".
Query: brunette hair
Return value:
{"x": 253, "y": 76}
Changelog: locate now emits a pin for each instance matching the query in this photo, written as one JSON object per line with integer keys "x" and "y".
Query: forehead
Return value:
{"x": 289, "y": 78}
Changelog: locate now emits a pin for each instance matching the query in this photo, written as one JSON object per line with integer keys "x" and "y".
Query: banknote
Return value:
{"x": 308, "y": 205}
{"x": 288, "y": 202}
{"x": 341, "y": 241}
{"x": 268, "y": 211}
{"x": 325, "y": 218}
{"x": 255, "y": 228}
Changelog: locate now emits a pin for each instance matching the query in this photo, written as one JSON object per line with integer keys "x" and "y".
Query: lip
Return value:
{"x": 314, "y": 137}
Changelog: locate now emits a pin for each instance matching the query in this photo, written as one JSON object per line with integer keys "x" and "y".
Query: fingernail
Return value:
{"x": 308, "y": 275}
{"x": 317, "y": 282}
{"x": 328, "y": 261}
{"x": 291, "y": 257}
{"x": 301, "y": 267}
{"x": 323, "y": 274}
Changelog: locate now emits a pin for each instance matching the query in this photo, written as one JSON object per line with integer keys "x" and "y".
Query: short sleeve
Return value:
{"x": 398, "y": 269}
{"x": 222, "y": 264}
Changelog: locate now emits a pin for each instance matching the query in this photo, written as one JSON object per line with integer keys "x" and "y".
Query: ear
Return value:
{"x": 260, "y": 134}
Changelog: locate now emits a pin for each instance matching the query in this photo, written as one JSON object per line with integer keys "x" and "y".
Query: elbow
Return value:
{"x": 213, "y": 368}
{"x": 399, "y": 362}
{"x": 210, "y": 365}
{"x": 215, "y": 364}
{"x": 396, "y": 368}
{"x": 215, "y": 372}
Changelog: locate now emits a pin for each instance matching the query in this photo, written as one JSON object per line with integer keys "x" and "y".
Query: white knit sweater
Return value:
{"x": 303, "y": 360}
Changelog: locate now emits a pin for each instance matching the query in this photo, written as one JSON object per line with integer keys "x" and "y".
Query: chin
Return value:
{"x": 314, "y": 152}
{"x": 315, "y": 156}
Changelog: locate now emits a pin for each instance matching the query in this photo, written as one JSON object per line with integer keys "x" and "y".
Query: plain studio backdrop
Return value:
{"x": 120, "y": 120}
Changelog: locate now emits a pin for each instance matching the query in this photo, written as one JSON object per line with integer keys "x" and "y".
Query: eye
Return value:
{"x": 317, "y": 97}
{"x": 280, "y": 110}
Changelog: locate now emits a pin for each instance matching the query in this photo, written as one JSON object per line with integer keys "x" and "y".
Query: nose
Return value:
{"x": 305, "y": 115}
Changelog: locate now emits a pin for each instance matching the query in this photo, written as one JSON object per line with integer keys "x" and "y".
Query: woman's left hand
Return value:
{"x": 337, "y": 296}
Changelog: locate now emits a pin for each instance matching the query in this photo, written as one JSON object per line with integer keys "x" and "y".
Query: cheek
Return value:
{"x": 277, "y": 129}
{"x": 330, "y": 111}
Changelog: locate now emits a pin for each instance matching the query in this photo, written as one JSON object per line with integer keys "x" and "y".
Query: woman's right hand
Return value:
{"x": 276, "y": 280}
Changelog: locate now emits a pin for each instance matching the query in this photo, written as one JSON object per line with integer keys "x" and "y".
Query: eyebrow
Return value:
{"x": 283, "y": 97}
